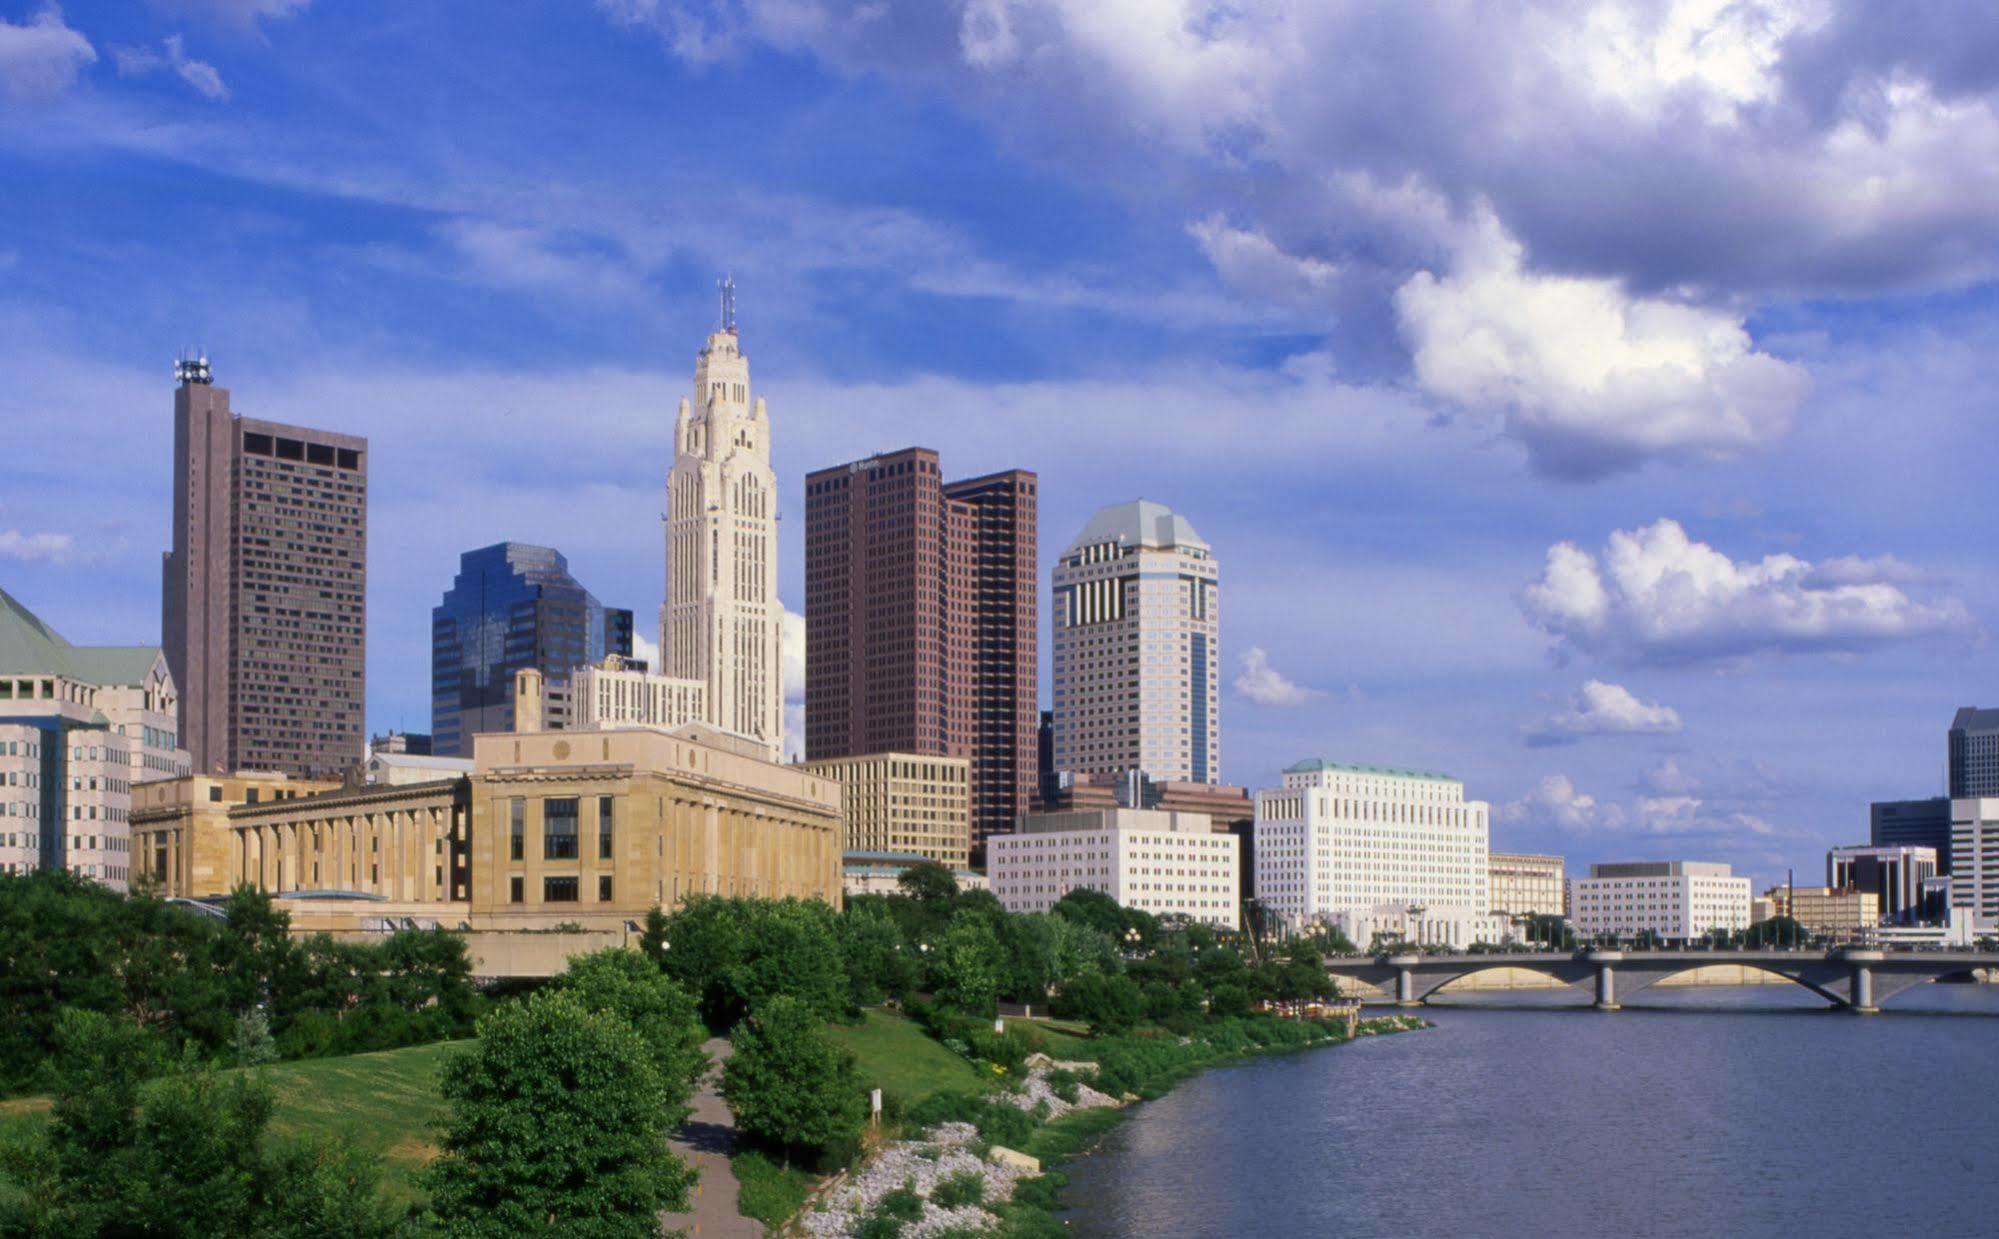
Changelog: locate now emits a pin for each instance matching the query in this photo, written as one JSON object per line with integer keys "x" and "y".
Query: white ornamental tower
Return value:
{"x": 721, "y": 623}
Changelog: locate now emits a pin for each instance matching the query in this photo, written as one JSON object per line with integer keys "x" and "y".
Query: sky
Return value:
{"x": 1590, "y": 400}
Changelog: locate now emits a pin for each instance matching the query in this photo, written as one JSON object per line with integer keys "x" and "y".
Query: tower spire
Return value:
{"x": 727, "y": 287}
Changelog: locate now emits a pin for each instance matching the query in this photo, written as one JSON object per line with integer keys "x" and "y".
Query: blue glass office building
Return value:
{"x": 512, "y": 606}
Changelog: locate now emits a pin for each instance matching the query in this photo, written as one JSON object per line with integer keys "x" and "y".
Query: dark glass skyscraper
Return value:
{"x": 512, "y": 606}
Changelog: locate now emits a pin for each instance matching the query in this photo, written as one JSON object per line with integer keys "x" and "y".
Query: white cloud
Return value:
{"x": 644, "y": 647}
{"x": 141, "y": 61}
{"x": 235, "y": 12}
{"x": 40, "y": 58}
{"x": 54, "y": 548}
{"x": 1657, "y": 596}
{"x": 1265, "y": 685}
{"x": 1588, "y": 377}
{"x": 1557, "y": 803}
{"x": 1556, "y": 800}
{"x": 1603, "y": 709}
{"x": 793, "y": 652}
{"x": 1252, "y": 264}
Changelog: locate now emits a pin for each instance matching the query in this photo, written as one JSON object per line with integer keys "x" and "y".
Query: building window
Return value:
{"x": 518, "y": 814}
{"x": 215, "y": 795}
{"x": 604, "y": 888}
{"x": 558, "y": 829}
{"x": 604, "y": 818}
{"x": 558, "y": 890}
{"x": 517, "y": 889}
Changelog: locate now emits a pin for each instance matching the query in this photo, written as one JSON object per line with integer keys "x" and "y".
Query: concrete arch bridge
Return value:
{"x": 1854, "y": 979}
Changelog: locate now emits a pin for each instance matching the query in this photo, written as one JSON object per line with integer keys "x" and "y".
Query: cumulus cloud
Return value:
{"x": 40, "y": 58}
{"x": 1556, "y": 801}
{"x": 1603, "y": 709}
{"x": 54, "y": 548}
{"x": 1265, "y": 685}
{"x": 172, "y": 56}
{"x": 1590, "y": 378}
{"x": 793, "y": 651}
{"x": 644, "y": 647}
{"x": 1656, "y": 596}
{"x": 1250, "y": 262}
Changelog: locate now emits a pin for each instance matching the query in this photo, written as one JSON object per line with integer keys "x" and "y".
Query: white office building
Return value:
{"x": 613, "y": 694}
{"x": 1168, "y": 864}
{"x": 1338, "y": 842}
{"x": 1974, "y": 861}
{"x": 1137, "y": 626}
{"x": 1676, "y": 900}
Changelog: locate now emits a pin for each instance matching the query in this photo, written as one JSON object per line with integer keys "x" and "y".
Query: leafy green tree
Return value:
{"x": 1776, "y": 931}
{"x": 793, "y": 950}
{"x": 556, "y": 1126}
{"x": 254, "y": 1045}
{"x": 627, "y": 985}
{"x": 879, "y": 962}
{"x": 928, "y": 882}
{"x": 1102, "y": 913}
{"x": 1545, "y": 929}
{"x": 790, "y": 1087}
{"x": 967, "y": 965}
{"x": 1110, "y": 1005}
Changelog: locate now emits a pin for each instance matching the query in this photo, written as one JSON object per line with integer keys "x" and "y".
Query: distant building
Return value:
{"x": 1974, "y": 754}
{"x": 880, "y": 873}
{"x": 80, "y": 728}
{"x": 1917, "y": 823}
{"x": 1761, "y": 908}
{"x": 1843, "y": 915}
{"x": 1526, "y": 885}
{"x": 1894, "y": 875}
{"x": 401, "y": 769}
{"x": 414, "y": 743}
{"x": 1974, "y": 863}
{"x": 1136, "y": 639}
{"x": 1677, "y": 901}
{"x": 1227, "y": 807}
{"x": 1389, "y": 925}
{"x": 264, "y": 599}
{"x": 920, "y": 622}
{"x": 721, "y": 623}
{"x": 181, "y": 839}
{"x": 1167, "y": 864}
{"x": 1339, "y": 837}
{"x": 620, "y": 692}
{"x": 512, "y": 605}
{"x": 904, "y": 803}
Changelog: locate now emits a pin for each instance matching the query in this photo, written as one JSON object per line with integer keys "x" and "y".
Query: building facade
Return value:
{"x": 1677, "y": 901}
{"x": 1136, "y": 640}
{"x": 721, "y": 624}
{"x": 920, "y": 622}
{"x": 1895, "y": 876}
{"x": 1167, "y": 864}
{"x": 1839, "y": 913}
{"x": 1974, "y": 860}
{"x": 80, "y": 728}
{"x": 1523, "y": 884}
{"x": 264, "y": 594}
{"x": 905, "y": 803}
{"x": 621, "y": 693}
{"x": 1338, "y": 837}
{"x": 511, "y": 606}
{"x": 1915, "y": 823}
{"x": 1973, "y": 751}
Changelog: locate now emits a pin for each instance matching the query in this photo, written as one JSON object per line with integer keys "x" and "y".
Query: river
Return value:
{"x": 1716, "y": 1112}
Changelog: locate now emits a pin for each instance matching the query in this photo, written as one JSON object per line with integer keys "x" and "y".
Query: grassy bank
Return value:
{"x": 387, "y": 1102}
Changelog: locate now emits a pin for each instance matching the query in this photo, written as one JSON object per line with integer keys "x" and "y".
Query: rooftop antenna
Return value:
{"x": 192, "y": 368}
{"x": 727, "y": 287}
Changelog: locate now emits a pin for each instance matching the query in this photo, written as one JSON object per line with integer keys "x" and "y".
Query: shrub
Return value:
{"x": 790, "y": 1086}
{"x": 955, "y": 1191}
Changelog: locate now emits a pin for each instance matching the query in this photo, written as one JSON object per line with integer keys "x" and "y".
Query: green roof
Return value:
{"x": 30, "y": 647}
{"x": 1319, "y": 765}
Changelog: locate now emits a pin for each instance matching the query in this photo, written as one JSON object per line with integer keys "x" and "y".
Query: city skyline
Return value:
{"x": 1387, "y": 510}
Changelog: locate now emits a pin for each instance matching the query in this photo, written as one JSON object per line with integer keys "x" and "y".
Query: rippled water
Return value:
{"x": 1736, "y": 1112}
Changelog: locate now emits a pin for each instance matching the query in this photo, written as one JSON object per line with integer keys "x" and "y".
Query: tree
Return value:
{"x": 928, "y": 882}
{"x": 1109, "y": 1004}
{"x": 880, "y": 964}
{"x": 625, "y": 984}
{"x": 967, "y": 965}
{"x": 556, "y": 1125}
{"x": 1775, "y": 931}
{"x": 789, "y": 1086}
{"x": 1553, "y": 932}
{"x": 733, "y": 953}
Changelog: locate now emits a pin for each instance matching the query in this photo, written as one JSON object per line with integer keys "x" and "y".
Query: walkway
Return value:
{"x": 704, "y": 1141}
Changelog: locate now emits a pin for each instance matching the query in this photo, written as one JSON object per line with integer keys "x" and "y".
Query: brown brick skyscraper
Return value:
{"x": 264, "y": 598}
{"x": 920, "y": 622}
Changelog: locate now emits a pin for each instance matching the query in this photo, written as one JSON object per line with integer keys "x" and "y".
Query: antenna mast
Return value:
{"x": 727, "y": 287}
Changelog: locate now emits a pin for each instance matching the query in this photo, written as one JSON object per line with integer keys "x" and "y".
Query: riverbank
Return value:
{"x": 989, "y": 1162}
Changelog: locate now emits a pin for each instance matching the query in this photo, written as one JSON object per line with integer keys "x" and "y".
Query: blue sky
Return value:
{"x": 1590, "y": 400}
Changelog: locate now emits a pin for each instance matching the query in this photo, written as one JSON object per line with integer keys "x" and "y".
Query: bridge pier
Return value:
{"x": 1861, "y": 1001}
{"x": 1405, "y": 979}
{"x": 1606, "y": 978}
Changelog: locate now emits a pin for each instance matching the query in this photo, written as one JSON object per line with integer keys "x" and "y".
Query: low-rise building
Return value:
{"x": 880, "y": 873}
{"x": 1525, "y": 884}
{"x": 181, "y": 837}
{"x": 1677, "y": 901}
{"x": 1167, "y": 864}
{"x": 1894, "y": 875}
{"x": 620, "y": 692}
{"x": 905, "y": 803}
{"x": 1838, "y": 913}
{"x": 1387, "y": 926}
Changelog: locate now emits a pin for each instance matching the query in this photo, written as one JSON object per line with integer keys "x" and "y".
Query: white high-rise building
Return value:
{"x": 721, "y": 623}
{"x": 1676, "y": 900}
{"x": 1137, "y": 628}
{"x": 1168, "y": 864}
{"x": 1974, "y": 859}
{"x": 1338, "y": 841}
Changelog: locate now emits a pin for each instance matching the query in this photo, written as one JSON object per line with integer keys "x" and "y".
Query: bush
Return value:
{"x": 1065, "y": 1084}
{"x": 997, "y": 1122}
{"x": 903, "y": 1204}
{"x": 766, "y": 1191}
{"x": 955, "y": 1191}
{"x": 790, "y": 1086}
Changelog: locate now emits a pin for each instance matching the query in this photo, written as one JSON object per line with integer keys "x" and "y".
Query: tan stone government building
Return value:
{"x": 572, "y": 829}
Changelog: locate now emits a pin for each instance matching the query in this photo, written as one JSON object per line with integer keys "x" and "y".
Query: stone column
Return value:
{"x": 1606, "y": 978}
{"x": 1861, "y": 995}
{"x": 1405, "y": 980}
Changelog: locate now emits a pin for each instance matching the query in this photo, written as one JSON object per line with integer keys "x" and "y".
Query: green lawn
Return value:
{"x": 1065, "y": 1039}
{"x": 387, "y": 1102}
{"x": 897, "y": 1056}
